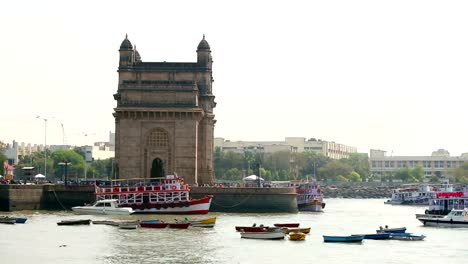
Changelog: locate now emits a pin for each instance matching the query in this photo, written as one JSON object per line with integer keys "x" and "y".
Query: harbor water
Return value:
{"x": 40, "y": 240}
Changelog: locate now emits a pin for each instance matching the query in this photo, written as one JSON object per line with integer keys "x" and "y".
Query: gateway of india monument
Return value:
{"x": 164, "y": 121}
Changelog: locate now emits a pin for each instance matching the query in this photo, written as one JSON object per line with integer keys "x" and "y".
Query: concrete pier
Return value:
{"x": 59, "y": 197}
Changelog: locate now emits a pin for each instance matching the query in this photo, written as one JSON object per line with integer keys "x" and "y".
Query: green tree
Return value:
{"x": 76, "y": 160}
{"x": 333, "y": 169}
{"x": 354, "y": 177}
{"x": 360, "y": 164}
{"x": 460, "y": 174}
{"x": 403, "y": 174}
{"x": 417, "y": 174}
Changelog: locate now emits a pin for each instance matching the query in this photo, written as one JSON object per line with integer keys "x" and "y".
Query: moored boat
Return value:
{"x": 305, "y": 230}
{"x": 297, "y": 236}
{"x": 253, "y": 228}
{"x": 153, "y": 224}
{"x": 179, "y": 225}
{"x": 164, "y": 195}
{"x": 208, "y": 222}
{"x": 105, "y": 222}
{"x": 129, "y": 225}
{"x": 309, "y": 196}
{"x": 75, "y": 222}
{"x": 418, "y": 194}
{"x": 456, "y": 218}
{"x": 287, "y": 225}
{"x": 106, "y": 206}
{"x": 407, "y": 236}
{"x": 7, "y": 220}
{"x": 345, "y": 239}
{"x": 391, "y": 230}
{"x": 377, "y": 236}
{"x": 263, "y": 235}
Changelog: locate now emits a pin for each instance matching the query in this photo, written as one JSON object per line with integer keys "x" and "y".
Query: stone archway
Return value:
{"x": 157, "y": 168}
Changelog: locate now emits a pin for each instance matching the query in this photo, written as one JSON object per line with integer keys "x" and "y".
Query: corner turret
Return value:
{"x": 127, "y": 57}
{"x": 204, "y": 54}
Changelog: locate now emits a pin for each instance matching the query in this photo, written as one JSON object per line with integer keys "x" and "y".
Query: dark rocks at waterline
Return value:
{"x": 357, "y": 192}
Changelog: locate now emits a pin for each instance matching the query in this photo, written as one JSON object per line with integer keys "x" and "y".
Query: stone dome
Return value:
{"x": 126, "y": 44}
{"x": 203, "y": 45}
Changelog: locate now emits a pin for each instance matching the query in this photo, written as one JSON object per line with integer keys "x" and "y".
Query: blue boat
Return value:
{"x": 376, "y": 236}
{"x": 346, "y": 239}
{"x": 152, "y": 221}
{"x": 20, "y": 220}
{"x": 391, "y": 230}
{"x": 407, "y": 236}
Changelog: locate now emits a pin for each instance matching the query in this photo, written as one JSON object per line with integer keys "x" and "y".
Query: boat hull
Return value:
{"x": 311, "y": 206}
{"x": 406, "y": 236}
{"x": 442, "y": 222}
{"x": 251, "y": 228}
{"x": 74, "y": 222}
{"x": 263, "y": 235}
{"x": 195, "y": 206}
{"x": 114, "y": 211}
{"x": 297, "y": 236}
{"x": 287, "y": 225}
{"x": 344, "y": 239}
{"x": 304, "y": 230}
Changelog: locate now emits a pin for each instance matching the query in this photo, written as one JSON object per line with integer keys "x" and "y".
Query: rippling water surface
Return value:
{"x": 40, "y": 240}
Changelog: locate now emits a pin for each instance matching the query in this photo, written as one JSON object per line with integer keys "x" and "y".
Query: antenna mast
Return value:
{"x": 64, "y": 138}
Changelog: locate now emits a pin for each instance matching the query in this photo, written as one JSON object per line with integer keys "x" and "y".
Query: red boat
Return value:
{"x": 179, "y": 225}
{"x": 165, "y": 195}
{"x": 251, "y": 228}
{"x": 287, "y": 225}
{"x": 153, "y": 225}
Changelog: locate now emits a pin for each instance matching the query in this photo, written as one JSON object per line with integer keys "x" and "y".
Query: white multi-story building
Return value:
{"x": 291, "y": 144}
{"x": 439, "y": 164}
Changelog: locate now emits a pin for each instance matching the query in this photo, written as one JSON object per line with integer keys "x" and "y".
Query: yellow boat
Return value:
{"x": 208, "y": 222}
{"x": 305, "y": 230}
{"x": 296, "y": 236}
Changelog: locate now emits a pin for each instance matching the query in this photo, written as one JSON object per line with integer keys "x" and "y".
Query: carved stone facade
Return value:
{"x": 164, "y": 121}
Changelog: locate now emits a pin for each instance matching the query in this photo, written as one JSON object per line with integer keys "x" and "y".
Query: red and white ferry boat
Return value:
{"x": 165, "y": 195}
{"x": 309, "y": 196}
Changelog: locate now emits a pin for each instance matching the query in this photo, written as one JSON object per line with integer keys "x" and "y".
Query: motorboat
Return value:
{"x": 297, "y": 236}
{"x": 263, "y": 235}
{"x": 105, "y": 222}
{"x": 13, "y": 220}
{"x": 377, "y": 236}
{"x": 345, "y": 239}
{"x": 456, "y": 218}
{"x": 106, "y": 206}
{"x": 391, "y": 230}
{"x": 129, "y": 225}
{"x": 309, "y": 196}
{"x": 75, "y": 222}
{"x": 305, "y": 230}
{"x": 287, "y": 225}
{"x": 407, "y": 236}
{"x": 253, "y": 228}
{"x": 147, "y": 224}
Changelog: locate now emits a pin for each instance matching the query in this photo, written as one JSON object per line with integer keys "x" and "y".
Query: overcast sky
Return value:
{"x": 388, "y": 75}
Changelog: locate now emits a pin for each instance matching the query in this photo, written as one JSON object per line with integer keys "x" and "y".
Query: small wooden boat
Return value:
{"x": 260, "y": 228}
{"x": 20, "y": 220}
{"x": 75, "y": 222}
{"x": 407, "y": 236}
{"x": 208, "y": 222}
{"x": 263, "y": 235}
{"x": 129, "y": 225}
{"x": 105, "y": 222}
{"x": 296, "y": 236}
{"x": 391, "y": 230}
{"x": 287, "y": 225}
{"x": 151, "y": 221}
{"x": 305, "y": 230}
{"x": 179, "y": 225}
{"x": 376, "y": 236}
{"x": 7, "y": 220}
{"x": 346, "y": 239}
{"x": 153, "y": 225}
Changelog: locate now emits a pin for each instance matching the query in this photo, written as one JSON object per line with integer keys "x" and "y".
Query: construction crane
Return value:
{"x": 64, "y": 138}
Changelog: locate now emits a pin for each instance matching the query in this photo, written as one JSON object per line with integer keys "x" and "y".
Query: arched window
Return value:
{"x": 158, "y": 138}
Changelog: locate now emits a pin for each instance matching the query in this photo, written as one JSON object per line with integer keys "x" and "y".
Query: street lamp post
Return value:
{"x": 45, "y": 144}
{"x": 65, "y": 163}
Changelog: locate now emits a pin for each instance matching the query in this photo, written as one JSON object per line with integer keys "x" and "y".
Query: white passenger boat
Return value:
{"x": 108, "y": 206}
{"x": 309, "y": 196}
{"x": 418, "y": 194}
{"x": 456, "y": 218}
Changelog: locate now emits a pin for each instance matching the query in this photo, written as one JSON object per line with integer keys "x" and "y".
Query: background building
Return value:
{"x": 438, "y": 164}
{"x": 291, "y": 144}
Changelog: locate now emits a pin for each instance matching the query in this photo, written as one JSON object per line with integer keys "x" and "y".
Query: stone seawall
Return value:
{"x": 252, "y": 200}
{"x": 357, "y": 192}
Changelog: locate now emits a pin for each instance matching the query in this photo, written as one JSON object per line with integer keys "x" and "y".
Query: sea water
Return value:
{"x": 40, "y": 240}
